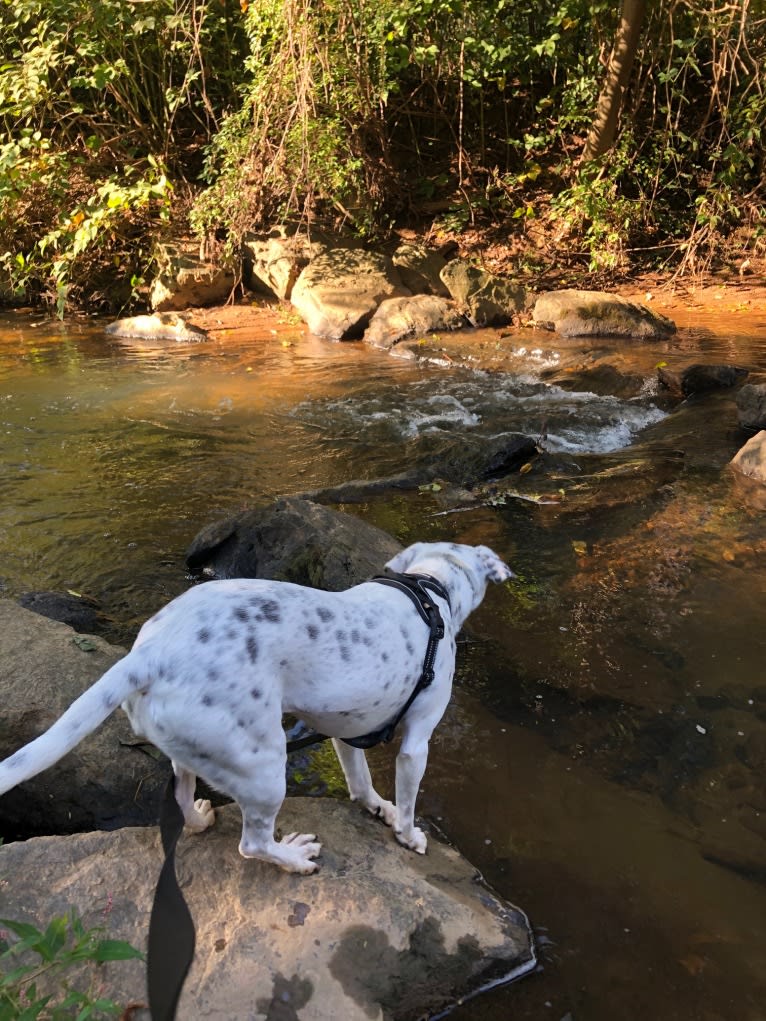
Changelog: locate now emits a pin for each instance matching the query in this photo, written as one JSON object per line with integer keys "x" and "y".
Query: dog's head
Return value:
{"x": 463, "y": 570}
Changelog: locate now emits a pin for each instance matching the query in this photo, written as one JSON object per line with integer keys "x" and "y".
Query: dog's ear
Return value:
{"x": 496, "y": 570}
{"x": 402, "y": 560}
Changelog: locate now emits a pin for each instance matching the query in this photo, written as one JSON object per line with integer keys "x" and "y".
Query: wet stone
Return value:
{"x": 377, "y": 932}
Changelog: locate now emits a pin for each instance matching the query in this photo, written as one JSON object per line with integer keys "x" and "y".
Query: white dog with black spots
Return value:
{"x": 211, "y": 674}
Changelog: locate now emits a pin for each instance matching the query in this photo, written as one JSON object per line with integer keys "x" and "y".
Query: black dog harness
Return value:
{"x": 171, "y": 929}
{"x": 417, "y": 587}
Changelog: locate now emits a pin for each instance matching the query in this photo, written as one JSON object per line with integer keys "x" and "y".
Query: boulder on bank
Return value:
{"x": 378, "y": 932}
{"x": 338, "y": 292}
{"x": 276, "y": 259}
{"x": 109, "y": 779}
{"x": 574, "y": 313}
{"x": 158, "y": 327}
{"x": 185, "y": 280}
{"x": 397, "y": 318}
{"x": 293, "y": 540}
{"x": 484, "y": 299}
{"x": 751, "y": 406}
{"x": 700, "y": 378}
{"x": 751, "y": 459}
{"x": 420, "y": 269}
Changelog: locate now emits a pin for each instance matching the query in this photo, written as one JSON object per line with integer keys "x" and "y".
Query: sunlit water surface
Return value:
{"x": 603, "y": 759}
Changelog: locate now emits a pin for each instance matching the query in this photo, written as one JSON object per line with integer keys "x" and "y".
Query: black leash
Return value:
{"x": 170, "y": 951}
{"x": 172, "y": 936}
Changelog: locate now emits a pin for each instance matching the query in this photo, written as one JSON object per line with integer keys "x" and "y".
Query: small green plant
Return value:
{"x": 48, "y": 955}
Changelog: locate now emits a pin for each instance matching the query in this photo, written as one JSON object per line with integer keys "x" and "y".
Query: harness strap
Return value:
{"x": 416, "y": 587}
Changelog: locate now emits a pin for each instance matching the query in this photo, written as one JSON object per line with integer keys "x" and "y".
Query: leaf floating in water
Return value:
{"x": 694, "y": 964}
{"x": 430, "y": 487}
{"x": 542, "y": 499}
{"x": 525, "y": 468}
{"x": 84, "y": 643}
{"x": 580, "y": 547}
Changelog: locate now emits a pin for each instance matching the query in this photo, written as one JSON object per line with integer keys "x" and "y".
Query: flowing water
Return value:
{"x": 603, "y": 759}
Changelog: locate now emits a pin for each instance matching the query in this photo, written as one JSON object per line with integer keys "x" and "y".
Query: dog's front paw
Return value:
{"x": 201, "y": 817}
{"x": 384, "y": 810}
{"x": 415, "y": 839}
{"x": 299, "y": 849}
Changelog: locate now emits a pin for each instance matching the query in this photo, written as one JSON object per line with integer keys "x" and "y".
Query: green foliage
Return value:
{"x": 99, "y": 105}
{"x": 118, "y": 119}
{"x": 49, "y": 955}
{"x": 322, "y": 773}
{"x": 309, "y": 131}
{"x": 687, "y": 169}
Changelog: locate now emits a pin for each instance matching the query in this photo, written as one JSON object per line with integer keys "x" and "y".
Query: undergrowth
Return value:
{"x": 123, "y": 124}
{"x": 37, "y": 961}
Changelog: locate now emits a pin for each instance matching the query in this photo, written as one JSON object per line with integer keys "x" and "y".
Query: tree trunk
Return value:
{"x": 604, "y": 127}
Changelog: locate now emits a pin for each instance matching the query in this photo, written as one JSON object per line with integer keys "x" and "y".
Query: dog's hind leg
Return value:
{"x": 260, "y": 796}
{"x": 359, "y": 782}
{"x": 294, "y": 852}
{"x": 198, "y": 815}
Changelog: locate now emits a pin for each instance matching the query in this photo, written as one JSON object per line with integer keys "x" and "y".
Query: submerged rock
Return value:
{"x": 462, "y": 462}
{"x": 109, "y": 778}
{"x": 338, "y": 292}
{"x": 160, "y": 326}
{"x": 378, "y": 932}
{"x": 751, "y": 406}
{"x": 79, "y": 613}
{"x": 699, "y": 378}
{"x": 574, "y": 313}
{"x": 399, "y": 317}
{"x": 293, "y": 540}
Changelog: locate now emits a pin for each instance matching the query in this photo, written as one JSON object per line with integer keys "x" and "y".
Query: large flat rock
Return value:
{"x": 377, "y": 933}
{"x": 573, "y": 313}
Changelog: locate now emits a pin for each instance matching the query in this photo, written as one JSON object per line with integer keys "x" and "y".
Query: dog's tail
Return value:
{"x": 83, "y": 716}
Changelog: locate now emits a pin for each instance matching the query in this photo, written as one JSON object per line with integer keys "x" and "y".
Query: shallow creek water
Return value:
{"x": 603, "y": 759}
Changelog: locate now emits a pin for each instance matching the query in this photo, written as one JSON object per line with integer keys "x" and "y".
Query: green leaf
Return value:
{"x": 54, "y": 939}
{"x": 34, "y": 1010}
{"x": 115, "y": 950}
{"x": 15, "y": 976}
{"x": 84, "y": 643}
{"x": 23, "y": 930}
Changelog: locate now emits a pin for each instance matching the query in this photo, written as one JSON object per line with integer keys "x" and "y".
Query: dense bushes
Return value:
{"x": 104, "y": 111}
{"x": 121, "y": 117}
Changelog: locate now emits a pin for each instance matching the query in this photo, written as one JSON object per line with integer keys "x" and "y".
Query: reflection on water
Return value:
{"x": 603, "y": 760}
